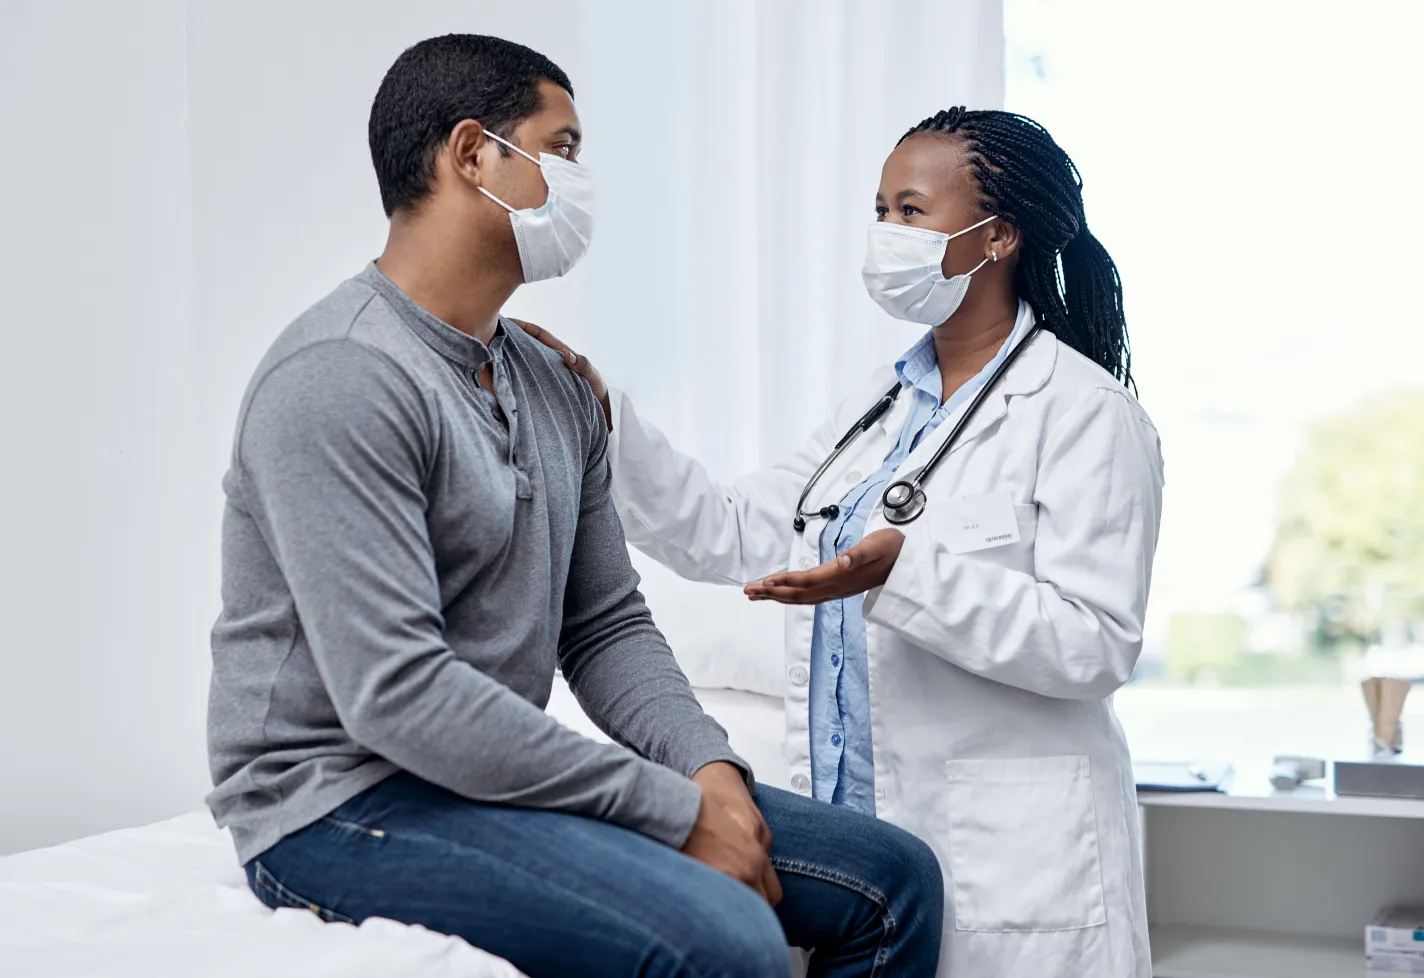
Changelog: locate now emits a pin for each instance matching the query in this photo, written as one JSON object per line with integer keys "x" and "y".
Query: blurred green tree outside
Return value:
{"x": 1349, "y": 545}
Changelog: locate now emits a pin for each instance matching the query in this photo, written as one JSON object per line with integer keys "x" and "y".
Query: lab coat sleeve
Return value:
{"x": 1072, "y": 629}
{"x": 675, "y": 512}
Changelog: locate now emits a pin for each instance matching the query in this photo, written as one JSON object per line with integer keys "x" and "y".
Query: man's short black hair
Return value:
{"x": 435, "y": 85}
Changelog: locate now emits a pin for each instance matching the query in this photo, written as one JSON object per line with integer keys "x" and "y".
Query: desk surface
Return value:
{"x": 1249, "y": 789}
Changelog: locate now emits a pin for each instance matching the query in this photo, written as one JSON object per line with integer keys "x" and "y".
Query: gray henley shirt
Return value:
{"x": 406, "y": 559}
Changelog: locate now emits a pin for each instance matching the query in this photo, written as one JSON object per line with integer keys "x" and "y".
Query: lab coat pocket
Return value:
{"x": 1023, "y": 844}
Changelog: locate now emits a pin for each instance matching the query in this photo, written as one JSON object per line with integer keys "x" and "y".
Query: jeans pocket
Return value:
{"x": 1023, "y": 845}
{"x": 277, "y": 896}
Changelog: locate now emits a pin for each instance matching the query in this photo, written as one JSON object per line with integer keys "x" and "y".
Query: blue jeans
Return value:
{"x": 559, "y": 895}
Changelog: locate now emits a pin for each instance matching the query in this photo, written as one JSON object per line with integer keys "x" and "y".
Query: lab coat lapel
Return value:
{"x": 1027, "y": 374}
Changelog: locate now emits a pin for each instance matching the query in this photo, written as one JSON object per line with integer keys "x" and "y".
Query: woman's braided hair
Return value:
{"x": 1027, "y": 179}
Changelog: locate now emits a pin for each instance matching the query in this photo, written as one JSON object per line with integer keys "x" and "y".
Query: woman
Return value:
{"x": 952, "y": 674}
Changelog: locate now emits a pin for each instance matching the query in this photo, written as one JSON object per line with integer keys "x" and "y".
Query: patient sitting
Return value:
{"x": 418, "y": 532}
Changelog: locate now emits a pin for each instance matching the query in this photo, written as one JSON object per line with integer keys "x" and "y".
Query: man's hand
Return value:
{"x": 578, "y": 364}
{"x": 863, "y": 567}
{"x": 730, "y": 834}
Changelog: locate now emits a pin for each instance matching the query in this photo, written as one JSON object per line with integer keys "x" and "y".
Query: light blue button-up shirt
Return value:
{"x": 842, "y": 769}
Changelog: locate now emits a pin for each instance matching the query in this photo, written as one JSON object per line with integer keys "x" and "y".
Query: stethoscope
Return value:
{"x": 904, "y": 499}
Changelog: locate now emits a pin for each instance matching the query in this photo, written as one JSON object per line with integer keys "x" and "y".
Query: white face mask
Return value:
{"x": 904, "y": 272}
{"x": 554, "y": 236}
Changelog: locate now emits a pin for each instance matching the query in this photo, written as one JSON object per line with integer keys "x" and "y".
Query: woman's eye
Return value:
{"x": 907, "y": 210}
{"x": 881, "y": 213}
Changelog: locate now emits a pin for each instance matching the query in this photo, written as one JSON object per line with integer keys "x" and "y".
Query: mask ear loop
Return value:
{"x": 501, "y": 139}
{"x": 496, "y": 200}
{"x": 992, "y": 217}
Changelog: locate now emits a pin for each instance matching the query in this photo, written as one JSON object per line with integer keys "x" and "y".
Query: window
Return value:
{"x": 1253, "y": 169}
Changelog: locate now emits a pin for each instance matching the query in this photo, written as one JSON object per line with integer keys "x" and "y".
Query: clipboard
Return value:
{"x": 1180, "y": 776}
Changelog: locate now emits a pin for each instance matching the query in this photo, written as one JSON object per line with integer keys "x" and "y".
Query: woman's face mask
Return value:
{"x": 904, "y": 272}
{"x": 554, "y": 236}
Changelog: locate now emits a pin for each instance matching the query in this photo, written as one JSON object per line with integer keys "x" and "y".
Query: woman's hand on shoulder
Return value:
{"x": 578, "y": 364}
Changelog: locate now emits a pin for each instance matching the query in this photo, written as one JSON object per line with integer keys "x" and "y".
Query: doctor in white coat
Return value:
{"x": 953, "y": 674}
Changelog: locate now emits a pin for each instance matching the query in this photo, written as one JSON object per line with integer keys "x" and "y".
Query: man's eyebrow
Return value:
{"x": 570, "y": 131}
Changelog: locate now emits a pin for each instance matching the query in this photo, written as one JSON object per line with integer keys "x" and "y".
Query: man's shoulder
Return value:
{"x": 546, "y": 368}
{"x": 331, "y": 318}
{"x": 326, "y": 355}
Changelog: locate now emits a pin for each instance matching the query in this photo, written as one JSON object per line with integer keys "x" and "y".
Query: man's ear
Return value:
{"x": 465, "y": 151}
{"x": 1003, "y": 240}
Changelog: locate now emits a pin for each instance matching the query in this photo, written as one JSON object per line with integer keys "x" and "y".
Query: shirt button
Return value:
{"x": 835, "y": 660}
{"x": 805, "y": 563}
{"x": 799, "y": 675}
{"x": 835, "y": 740}
{"x": 853, "y": 477}
{"x": 801, "y": 783}
{"x": 879, "y": 794}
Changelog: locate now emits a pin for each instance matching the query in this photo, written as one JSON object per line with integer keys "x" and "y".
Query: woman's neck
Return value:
{"x": 968, "y": 340}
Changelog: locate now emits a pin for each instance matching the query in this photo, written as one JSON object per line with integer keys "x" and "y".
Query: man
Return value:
{"x": 418, "y": 531}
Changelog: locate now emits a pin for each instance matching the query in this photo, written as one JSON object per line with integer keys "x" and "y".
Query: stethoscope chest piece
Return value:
{"x": 903, "y": 502}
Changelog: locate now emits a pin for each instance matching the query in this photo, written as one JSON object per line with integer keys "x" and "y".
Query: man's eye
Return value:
{"x": 881, "y": 212}
{"x": 909, "y": 209}
{"x": 563, "y": 150}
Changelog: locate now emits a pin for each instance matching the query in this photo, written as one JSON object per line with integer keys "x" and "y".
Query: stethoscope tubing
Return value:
{"x": 904, "y": 499}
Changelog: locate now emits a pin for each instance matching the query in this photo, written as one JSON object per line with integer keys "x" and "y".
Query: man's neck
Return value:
{"x": 969, "y": 340}
{"x": 448, "y": 278}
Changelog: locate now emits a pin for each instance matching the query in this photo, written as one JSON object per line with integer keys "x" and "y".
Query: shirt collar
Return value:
{"x": 461, "y": 348}
{"x": 919, "y": 367}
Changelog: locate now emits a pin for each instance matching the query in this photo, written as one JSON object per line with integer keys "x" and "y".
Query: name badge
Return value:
{"x": 980, "y": 522}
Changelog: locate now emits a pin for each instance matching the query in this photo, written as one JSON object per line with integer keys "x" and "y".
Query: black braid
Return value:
{"x": 1027, "y": 179}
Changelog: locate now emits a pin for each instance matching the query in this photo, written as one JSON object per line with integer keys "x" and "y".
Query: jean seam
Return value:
{"x": 859, "y": 886}
{"x": 262, "y": 878}
{"x": 630, "y": 922}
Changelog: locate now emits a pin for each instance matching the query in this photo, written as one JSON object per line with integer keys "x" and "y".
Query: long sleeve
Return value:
{"x": 333, "y": 451}
{"x": 617, "y": 663}
{"x": 1073, "y": 628}
{"x": 675, "y": 512}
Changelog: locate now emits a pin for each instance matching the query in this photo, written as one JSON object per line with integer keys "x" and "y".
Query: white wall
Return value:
{"x": 184, "y": 178}
{"x": 102, "y": 594}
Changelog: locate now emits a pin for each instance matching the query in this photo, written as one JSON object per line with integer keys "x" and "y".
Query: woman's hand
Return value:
{"x": 576, "y": 363}
{"x": 865, "y": 566}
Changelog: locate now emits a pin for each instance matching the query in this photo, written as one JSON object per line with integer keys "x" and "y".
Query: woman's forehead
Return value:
{"x": 931, "y": 164}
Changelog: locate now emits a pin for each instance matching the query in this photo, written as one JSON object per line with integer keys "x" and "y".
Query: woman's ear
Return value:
{"x": 1003, "y": 240}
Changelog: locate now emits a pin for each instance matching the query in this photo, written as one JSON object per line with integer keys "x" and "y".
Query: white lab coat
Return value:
{"x": 990, "y": 672}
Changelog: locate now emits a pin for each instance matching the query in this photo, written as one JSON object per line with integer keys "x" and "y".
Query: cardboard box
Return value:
{"x": 1394, "y": 941}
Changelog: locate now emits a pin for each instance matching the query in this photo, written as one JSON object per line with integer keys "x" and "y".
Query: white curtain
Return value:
{"x": 738, "y": 146}
{"x": 189, "y": 176}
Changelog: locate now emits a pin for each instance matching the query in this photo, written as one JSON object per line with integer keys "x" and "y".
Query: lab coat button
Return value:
{"x": 801, "y": 783}
{"x": 805, "y": 563}
{"x": 799, "y": 675}
{"x": 853, "y": 477}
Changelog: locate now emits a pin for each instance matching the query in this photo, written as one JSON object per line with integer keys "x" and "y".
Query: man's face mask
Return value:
{"x": 554, "y": 236}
